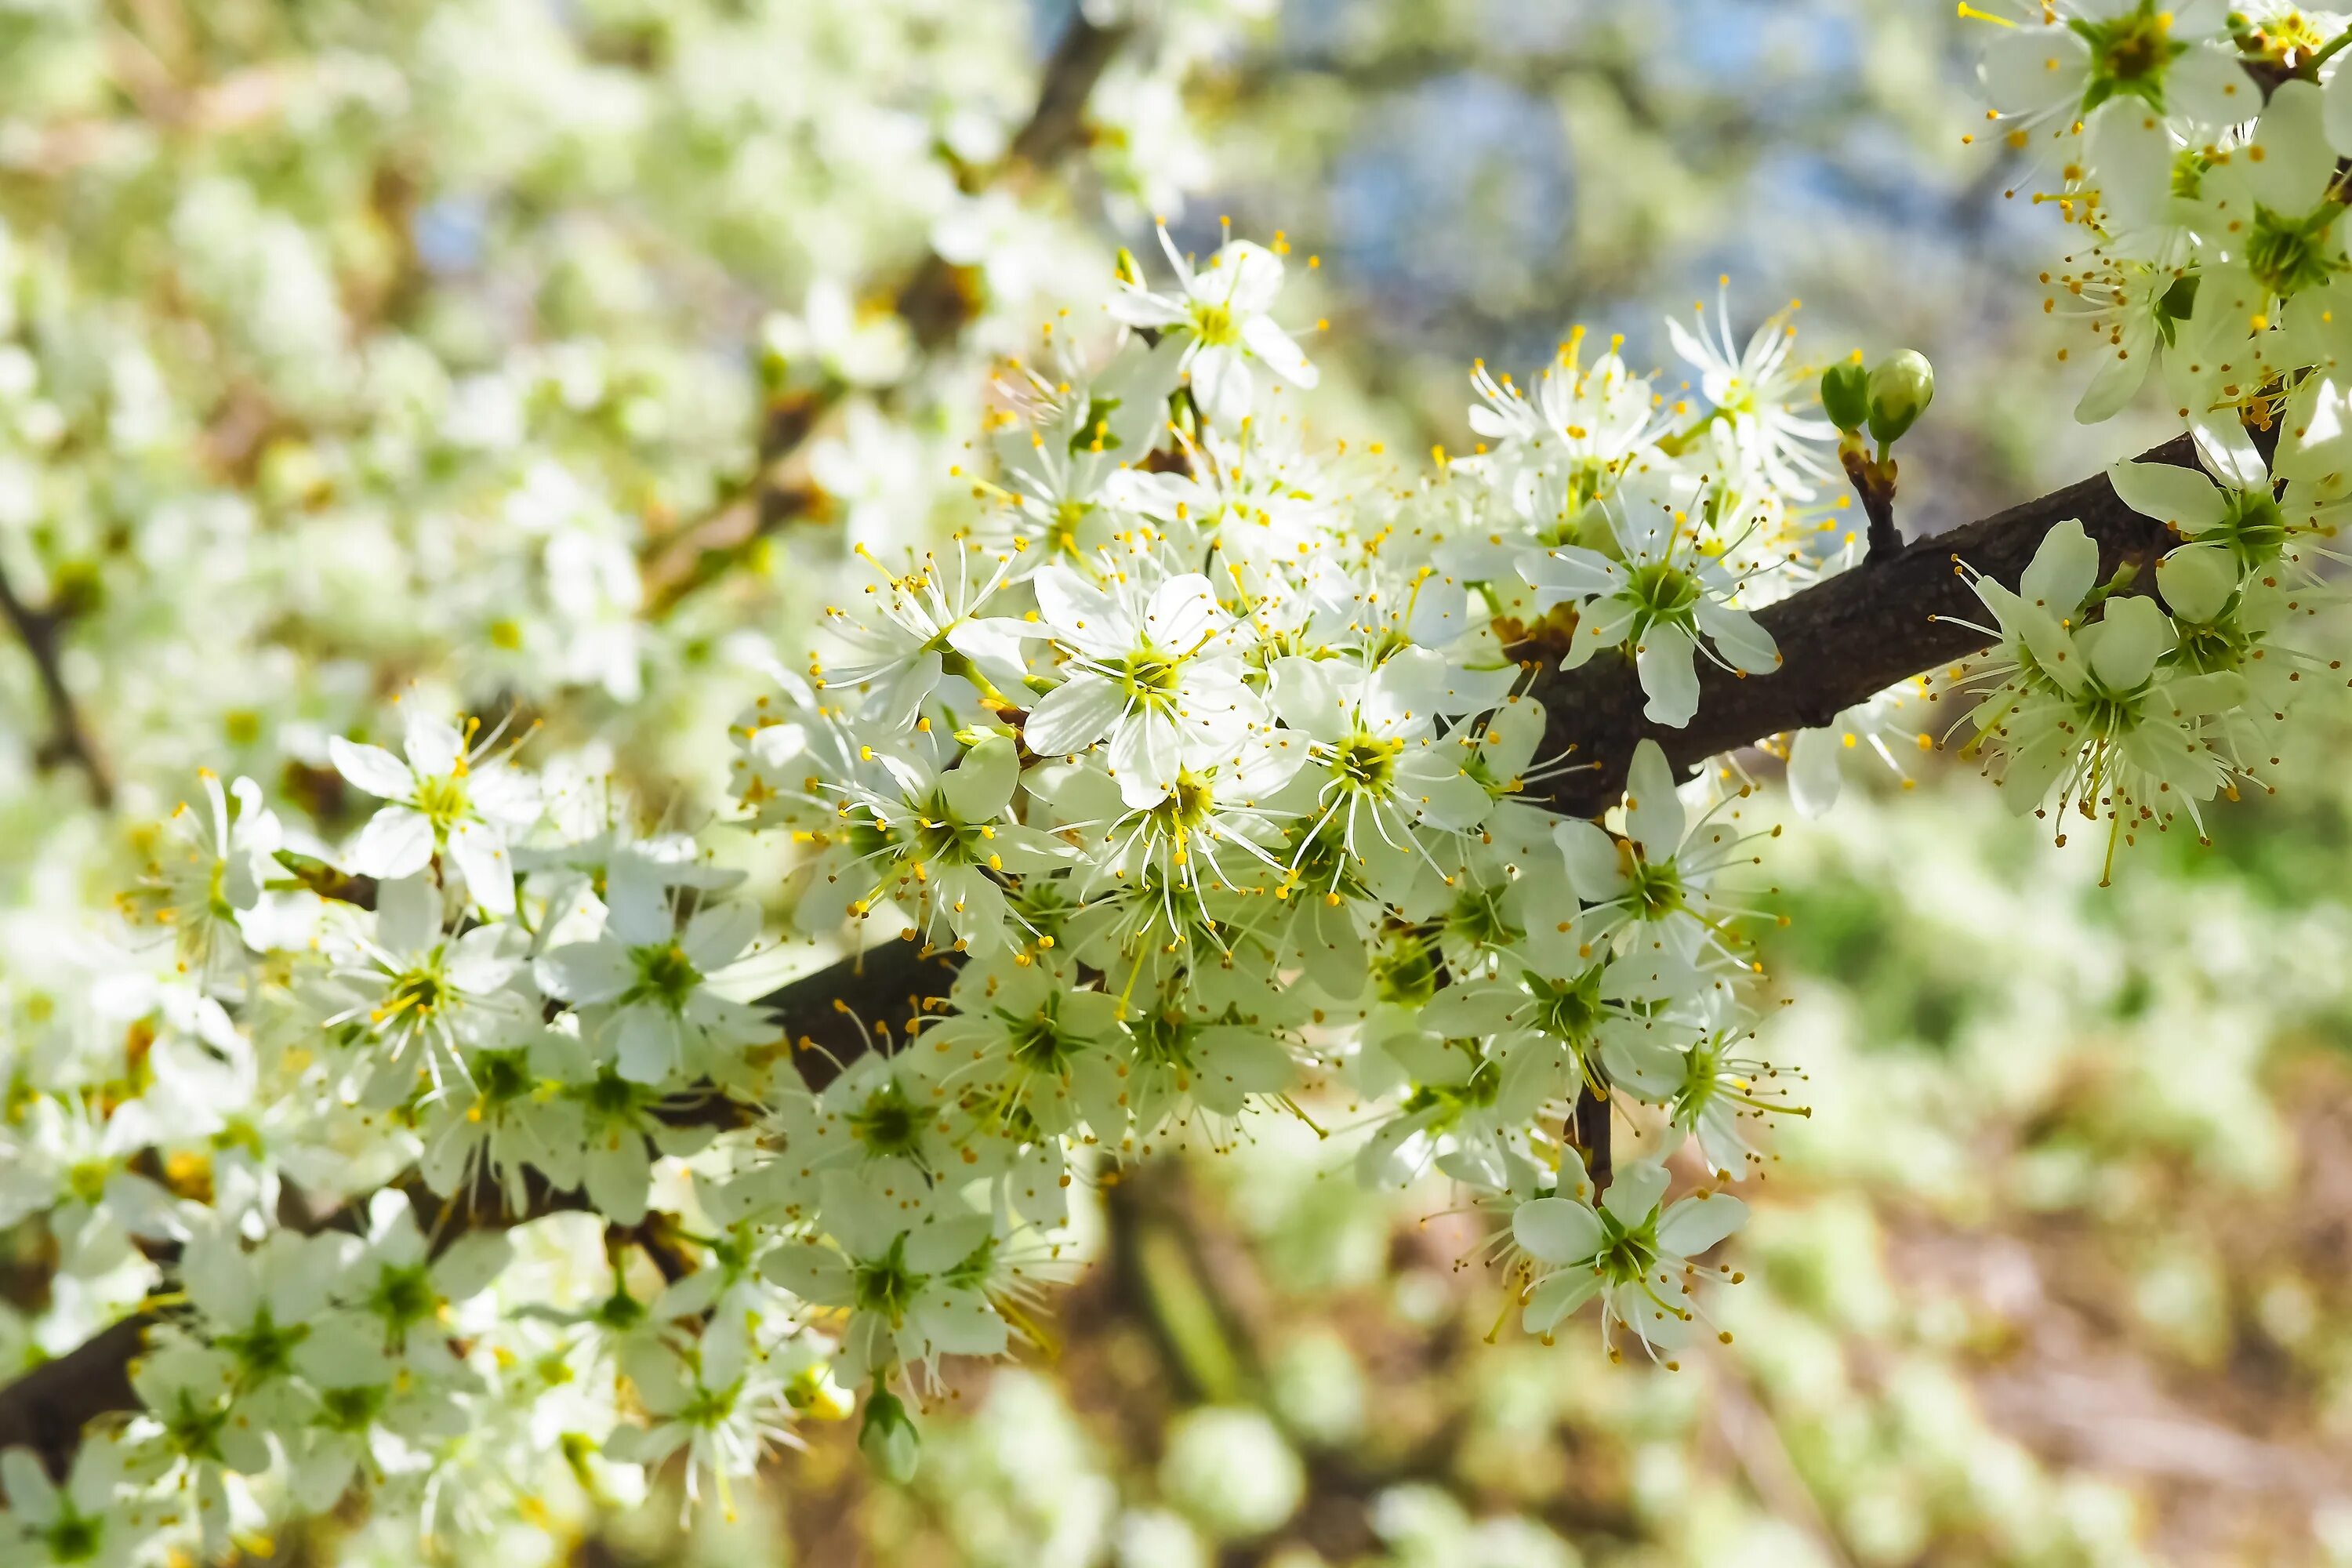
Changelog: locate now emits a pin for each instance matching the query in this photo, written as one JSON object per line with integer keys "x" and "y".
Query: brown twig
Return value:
{"x": 70, "y": 738}
{"x": 937, "y": 302}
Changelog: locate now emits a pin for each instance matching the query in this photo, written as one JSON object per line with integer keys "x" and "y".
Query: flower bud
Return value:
{"x": 888, "y": 1438}
{"x": 1845, "y": 396}
{"x": 1901, "y": 387}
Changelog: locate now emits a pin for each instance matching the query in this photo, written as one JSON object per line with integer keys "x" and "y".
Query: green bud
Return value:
{"x": 1901, "y": 387}
{"x": 1845, "y": 395}
{"x": 888, "y": 1438}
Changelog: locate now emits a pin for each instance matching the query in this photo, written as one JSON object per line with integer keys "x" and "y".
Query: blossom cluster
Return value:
{"x": 437, "y": 1125}
{"x": 2197, "y": 149}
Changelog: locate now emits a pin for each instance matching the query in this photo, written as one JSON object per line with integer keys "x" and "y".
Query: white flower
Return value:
{"x": 91, "y": 1521}
{"x": 2088, "y": 707}
{"x": 1636, "y": 1259}
{"x": 212, "y": 873}
{"x": 919, "y": 628}
{"x": 411, "y": 997}
{"x": 718, "y": 1398}
{"x": 1223, "y": 309}
{"x": 63, "y": 1155}
{"x": 937, "y": 840}
{"x": 444, "y": 798}
{"x": 915, "y": 1286}
{"x": 648, "y": 986}
{"x": 407, "y": 1291}
{"x": 1752, "y": 388}
{"x": 1155, "y": 669}
{"x": 1657, "y": 876}
{"x": 1886, "y": 725}
{"x": 1660, "y": 596}
{"x": 2078, "y": 54}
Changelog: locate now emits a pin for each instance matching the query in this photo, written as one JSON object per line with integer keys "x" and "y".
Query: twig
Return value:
{"x": 69, "y": 739}
{"x": 938, "y": 300}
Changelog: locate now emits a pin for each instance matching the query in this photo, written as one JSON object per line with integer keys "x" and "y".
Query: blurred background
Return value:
{"x": 2059, "y": 1271}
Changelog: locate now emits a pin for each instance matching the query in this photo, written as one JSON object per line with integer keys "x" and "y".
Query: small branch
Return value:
{"x": 1874, "y": 483}
{"x": 1589, "y": 1130}
{"x": 938, "y": 300}
{"x": 69, "y": 739}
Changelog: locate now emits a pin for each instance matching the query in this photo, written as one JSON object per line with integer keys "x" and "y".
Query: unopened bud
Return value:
{"x": 1845, "y": 395}
{"x": 888, "y": 1438}
{"x": 1901, "y": 387}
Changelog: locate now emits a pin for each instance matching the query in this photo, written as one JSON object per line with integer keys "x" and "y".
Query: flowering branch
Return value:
{"x": 1843, "y": 640}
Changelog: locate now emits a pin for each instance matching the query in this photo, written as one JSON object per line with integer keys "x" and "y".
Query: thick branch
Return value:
{"x": 1841, "y": 641}
{"x": 69, "y": 739}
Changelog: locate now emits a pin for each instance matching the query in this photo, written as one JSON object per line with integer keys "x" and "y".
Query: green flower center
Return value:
{"x": 1666, "y": 593}
{"x": 442, "y": 799}
{"x": 665, "y": 975}
{"x": 1151, "y": 678}
{"x": 886, "y": 1285}
{"x": 2129, "y": 55}
{"x": 2287, "y": 254}
{"x": 403, "y": 1298}
{"x": 74, "y": 1536}
{"x": 1566, "y": 1011}
{"x": 888, "y": 1125}
{"x": 2253, "y": 526}
{"x": 350, "y": 1409}
{"x": 1656, "y": 890}
{"x": 1367, "y": 764}
{"x": 264, "y": 1351}
{"x": 1038, "y": 1044}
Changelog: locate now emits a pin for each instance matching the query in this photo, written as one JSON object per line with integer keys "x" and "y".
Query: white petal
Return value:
{"x": 2128, "y": 638}
{"x": 371, "y": 768}
{"x": 2065, "y": 565}
{"x": 1557, "y": 1230}
{"x": 1634, "y": 1192}
{"x": 396, "y": 842}
{"x": 433, "y": 745}
{"x": 1277, "y": 352}
{"x": 1654, "y": 810}
{"x": 481, "y": 854}
{"x": 1074, "y": 715}
{"x": 1699, "y": 1221}
{"x": 717, "y": 935}
{"x": 1665, "y": 662}
{"x": 2181, "y": 498}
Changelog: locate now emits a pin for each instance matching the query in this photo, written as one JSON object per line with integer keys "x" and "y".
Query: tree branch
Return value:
{"x": 69, "y": 739}
{"x": 1841, "y": 641}
{"x": 937, "y": 302}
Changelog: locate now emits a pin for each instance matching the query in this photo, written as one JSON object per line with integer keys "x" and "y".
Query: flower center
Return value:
{"x": 1367, "y": 762}
{"x": 666, "y": 974}
{"x": 442, "y": 799}
{"x": 1666, "y": 594}
{"x": 887, "y": 1124}
{"x": 1215, "y": 325}
{"x": 1151, "y": 677}
{"x": 2286, "y": 254}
